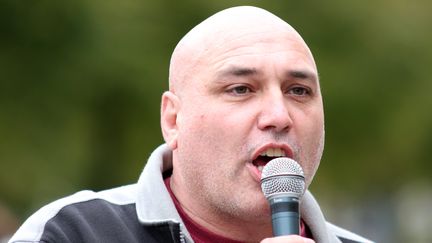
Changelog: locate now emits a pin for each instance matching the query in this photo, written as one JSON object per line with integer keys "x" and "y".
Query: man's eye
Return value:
{"x": 240, "y": 90}
{"x": 299, "y": 91}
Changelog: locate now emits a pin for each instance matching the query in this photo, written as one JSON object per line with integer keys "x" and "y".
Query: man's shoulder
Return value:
{"x": 346, "y": 236}
{"x": 77, "y": 210}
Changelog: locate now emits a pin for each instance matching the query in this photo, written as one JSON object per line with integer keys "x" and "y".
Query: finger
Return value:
{"x": 288, "y": 239}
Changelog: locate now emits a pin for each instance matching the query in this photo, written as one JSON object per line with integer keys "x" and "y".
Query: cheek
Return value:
{"x": 213, "y": 129}
{"x": 311, "y": 135}
{"x": 201, "y": 130}
{"x": 311, "y": 124}
{"x": 220, "y": 132}
{"x": 220, "y": 122}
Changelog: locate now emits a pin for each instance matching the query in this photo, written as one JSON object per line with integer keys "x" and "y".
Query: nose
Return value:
{"x": 275, "y": 114}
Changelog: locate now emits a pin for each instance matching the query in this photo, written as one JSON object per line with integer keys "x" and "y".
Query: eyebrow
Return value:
{"x": 302, "y": 74}
{"x": 238, "y": 72}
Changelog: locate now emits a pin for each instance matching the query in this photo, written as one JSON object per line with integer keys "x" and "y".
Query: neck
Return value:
{"x": 220, "y": 223}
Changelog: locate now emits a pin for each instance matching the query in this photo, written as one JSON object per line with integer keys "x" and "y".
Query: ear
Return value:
{"x": 169, "y": 110}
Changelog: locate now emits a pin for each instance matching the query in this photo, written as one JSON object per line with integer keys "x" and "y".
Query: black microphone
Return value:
{"x": 283, "y": 184}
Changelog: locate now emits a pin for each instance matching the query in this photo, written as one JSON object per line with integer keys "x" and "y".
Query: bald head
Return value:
{"x": 214, "y": 35}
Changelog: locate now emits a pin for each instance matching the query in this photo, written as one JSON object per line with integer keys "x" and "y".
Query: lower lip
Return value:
{"x": 256, "y": 174}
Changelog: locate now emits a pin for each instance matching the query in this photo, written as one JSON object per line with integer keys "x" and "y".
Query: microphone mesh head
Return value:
{"x": 282, "y": 175}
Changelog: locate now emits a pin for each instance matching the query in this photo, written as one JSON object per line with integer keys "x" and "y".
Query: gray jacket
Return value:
{"x": 141, "y": 212}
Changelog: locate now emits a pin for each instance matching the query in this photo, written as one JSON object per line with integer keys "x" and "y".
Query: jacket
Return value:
{"x": 141, "y": 212}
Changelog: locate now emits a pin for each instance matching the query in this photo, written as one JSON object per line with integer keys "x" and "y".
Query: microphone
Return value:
{"x": 283, "y": 184}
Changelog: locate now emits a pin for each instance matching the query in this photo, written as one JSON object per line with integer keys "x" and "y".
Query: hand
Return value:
{"x": 288, "y": 239}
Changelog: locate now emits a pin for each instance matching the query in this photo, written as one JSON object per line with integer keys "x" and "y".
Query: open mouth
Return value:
{"x": 267, "y": 155}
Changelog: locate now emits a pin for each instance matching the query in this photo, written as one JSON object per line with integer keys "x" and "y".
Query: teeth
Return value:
{"x": 273, "y": 152}
{"x": 270, "y": 152}
{"x": 260, "y": 168}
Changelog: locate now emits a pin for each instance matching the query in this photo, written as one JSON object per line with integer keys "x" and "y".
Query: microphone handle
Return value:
{"x": 285, "y": 215}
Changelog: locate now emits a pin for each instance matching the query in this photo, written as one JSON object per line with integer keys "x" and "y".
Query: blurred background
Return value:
{"x": 80, "y": 87}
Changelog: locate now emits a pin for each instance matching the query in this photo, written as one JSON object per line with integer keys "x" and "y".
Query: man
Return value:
{"x": 243, "y": 89}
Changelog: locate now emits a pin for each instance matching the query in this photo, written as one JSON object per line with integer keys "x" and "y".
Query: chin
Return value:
{"x": 260, "y": 209}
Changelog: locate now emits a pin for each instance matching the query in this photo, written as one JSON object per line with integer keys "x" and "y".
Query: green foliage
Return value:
{"x": 81, "y": 83}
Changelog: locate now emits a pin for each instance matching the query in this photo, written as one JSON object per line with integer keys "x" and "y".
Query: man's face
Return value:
{"x": 250, "y": 99}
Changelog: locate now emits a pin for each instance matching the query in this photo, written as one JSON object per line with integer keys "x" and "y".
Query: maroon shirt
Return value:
{"x": 202, "y": 235}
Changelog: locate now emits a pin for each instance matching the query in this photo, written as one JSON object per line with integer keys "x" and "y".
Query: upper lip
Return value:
{"x": 286, "y": 148}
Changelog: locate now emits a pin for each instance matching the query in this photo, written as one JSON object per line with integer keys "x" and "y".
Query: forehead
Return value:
{"x": 279, "y": 51}
{"x": 238, "y": 36}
